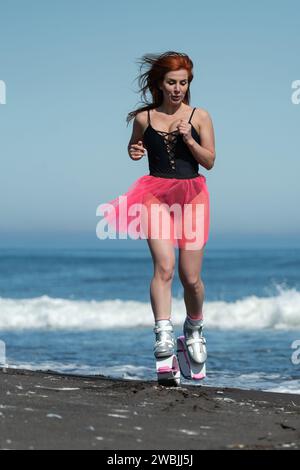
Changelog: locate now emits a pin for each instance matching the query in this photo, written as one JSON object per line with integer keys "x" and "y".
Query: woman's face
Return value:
{"x": 174, "y": 86}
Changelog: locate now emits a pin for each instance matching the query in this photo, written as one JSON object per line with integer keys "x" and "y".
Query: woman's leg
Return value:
{"x": 163, "y": 256}
{"x": 190, "y": 264}
{"x": 189, "y": 270}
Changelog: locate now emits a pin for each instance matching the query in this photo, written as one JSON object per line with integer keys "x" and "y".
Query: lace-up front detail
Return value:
{"x": 168, "y": 155}
{"x": 170, "y": 144}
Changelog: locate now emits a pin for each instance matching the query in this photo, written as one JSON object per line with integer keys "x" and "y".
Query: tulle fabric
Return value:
{"x": 131, "y": 212}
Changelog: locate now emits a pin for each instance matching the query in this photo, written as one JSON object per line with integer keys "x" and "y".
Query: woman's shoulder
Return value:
{"x": 142, "y": 117}
{"x": 201, "y": 113}
{"x": 202, "y": 118}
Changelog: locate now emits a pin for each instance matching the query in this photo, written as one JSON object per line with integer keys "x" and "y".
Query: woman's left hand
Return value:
{"x": 185, "y": 129}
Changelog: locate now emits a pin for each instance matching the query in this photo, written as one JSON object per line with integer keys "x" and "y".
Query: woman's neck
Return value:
{"x": 170, "y": 109}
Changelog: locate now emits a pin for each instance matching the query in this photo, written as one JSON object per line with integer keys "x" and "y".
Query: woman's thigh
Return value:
{"x": 190, "y": 264}
{"x": 160, "y": 243}
{"x": 163, "y": 255}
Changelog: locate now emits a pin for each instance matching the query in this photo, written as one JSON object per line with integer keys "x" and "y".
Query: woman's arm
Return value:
{"x": 205, "y": 153}
{"x": 135, "y": 147}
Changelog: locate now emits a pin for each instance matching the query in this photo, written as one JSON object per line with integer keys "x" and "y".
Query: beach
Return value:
{"x": 49, "y": 410}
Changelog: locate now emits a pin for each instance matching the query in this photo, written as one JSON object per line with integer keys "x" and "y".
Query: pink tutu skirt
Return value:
{"x": 171, "y": 209}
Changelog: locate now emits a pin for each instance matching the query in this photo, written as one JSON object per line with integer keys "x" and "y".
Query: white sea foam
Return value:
{"x": 277, "y": 312}
{"x": 287, "y": 386}
{"x": 251, "y": 381}
{"x": 124, "y": 371}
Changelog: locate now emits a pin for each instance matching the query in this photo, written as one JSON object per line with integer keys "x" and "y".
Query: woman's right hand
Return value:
{"x": 137, "y": 151}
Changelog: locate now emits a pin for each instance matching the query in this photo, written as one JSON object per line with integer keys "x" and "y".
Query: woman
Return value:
{"x": 177, "y": 138}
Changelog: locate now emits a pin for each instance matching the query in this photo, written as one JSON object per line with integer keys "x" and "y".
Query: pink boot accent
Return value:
{"x": 198, "y": 316}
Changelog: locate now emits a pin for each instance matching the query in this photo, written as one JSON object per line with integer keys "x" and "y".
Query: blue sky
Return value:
{"x": 70, "y": 69}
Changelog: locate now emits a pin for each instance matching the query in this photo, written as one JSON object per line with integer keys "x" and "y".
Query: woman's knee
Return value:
{"x": 191, "y": 281}
{"x": 164, "y": 271}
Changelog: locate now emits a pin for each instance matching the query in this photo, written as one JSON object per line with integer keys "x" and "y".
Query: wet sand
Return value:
{"x": 47, "y": 410}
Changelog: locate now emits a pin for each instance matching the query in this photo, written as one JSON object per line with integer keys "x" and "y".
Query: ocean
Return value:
{"x": 88, "y": 311}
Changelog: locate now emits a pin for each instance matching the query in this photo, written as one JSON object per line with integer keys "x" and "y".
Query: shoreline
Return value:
{"x": 52, "y": 410}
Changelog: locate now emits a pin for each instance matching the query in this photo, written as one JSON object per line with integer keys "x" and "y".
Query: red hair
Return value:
{"x": 160, "y": 64}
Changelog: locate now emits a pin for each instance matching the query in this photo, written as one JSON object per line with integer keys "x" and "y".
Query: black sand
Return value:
{"x": 40, "y": 410}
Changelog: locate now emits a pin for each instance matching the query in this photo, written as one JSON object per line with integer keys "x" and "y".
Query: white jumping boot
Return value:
{"x": 191, "y": 350}
{"x": 194, "y": 340}
{"x": 165, "y": 340}
{"x": 167, "y": 367}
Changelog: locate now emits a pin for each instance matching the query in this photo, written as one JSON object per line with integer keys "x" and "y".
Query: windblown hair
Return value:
{"x": 160, "y": 64}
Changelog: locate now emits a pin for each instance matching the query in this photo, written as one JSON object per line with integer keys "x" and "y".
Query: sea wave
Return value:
{"x": 277, "y": 312}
